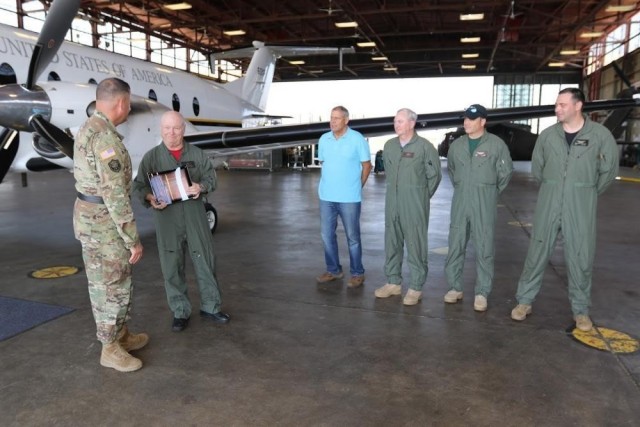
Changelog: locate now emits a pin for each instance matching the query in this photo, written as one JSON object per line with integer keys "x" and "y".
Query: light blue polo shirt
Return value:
{"x": 342, "y": 166}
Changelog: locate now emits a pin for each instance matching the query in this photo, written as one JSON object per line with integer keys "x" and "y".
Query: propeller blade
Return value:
{"x": 55, "y": 27}
{"x": 54, "y": 134}
{"x": 620, "y": 74}
{"x": 8, "y": 150}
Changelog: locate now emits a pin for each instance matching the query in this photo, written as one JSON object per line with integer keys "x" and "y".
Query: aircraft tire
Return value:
{"x": 212, "y": 216}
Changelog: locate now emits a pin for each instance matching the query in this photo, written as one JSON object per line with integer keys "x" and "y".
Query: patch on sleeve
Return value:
{"x": 107, "y": 154}
{"x": 115, "y": 165}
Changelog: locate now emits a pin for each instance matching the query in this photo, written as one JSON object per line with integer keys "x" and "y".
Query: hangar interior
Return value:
{"x": 301, "y": 353}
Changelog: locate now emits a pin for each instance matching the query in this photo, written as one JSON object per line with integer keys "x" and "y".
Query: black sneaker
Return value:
{"x": 179, "y": 325}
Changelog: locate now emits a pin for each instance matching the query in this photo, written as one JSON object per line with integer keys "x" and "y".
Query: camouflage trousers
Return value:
{"x": 106, "y": 262}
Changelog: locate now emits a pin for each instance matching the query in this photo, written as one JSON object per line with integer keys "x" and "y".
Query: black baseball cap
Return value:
{"x": 474, "y": 111}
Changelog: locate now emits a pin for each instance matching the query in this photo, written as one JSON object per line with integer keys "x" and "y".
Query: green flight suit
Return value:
{"x": 477, "y": 180}
{"x": 571, "y": 178}
{"x": 106, "y": 229}
{"x": 183, "y": 225}
{"x": 412, "y": 175}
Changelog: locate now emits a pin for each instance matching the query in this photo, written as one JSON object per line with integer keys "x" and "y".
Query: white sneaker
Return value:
{"x": 583, "y": 322}
{"x": 412, "y": 297}
{"x": 480, "y": 303}
{"x": 452, "y": 297}
{"x": 388, "y": 290}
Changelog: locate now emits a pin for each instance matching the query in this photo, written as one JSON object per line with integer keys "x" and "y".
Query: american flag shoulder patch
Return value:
{"x": 107, "y": 154}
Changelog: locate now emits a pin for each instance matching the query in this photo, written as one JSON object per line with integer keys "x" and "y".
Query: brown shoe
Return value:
{"x": 114, "y": 356}
{"x": 132, "y": 342}
{"x": 329, "y": 277}
{"x": 356, "y": 281}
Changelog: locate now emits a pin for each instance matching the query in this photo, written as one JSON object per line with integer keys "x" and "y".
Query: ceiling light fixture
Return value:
{"x": 178, "y": 6}
{"x": 590, "y": 34}
{"x": 470, "y": 39}
{"x": 316, "y": 71}
{"x": 379, "y": 58}
{"x": 620, "y": 8}
{"x": 367, "y": 44}
{"x": 390, "y": 68}
{"x": 556, "y": 64}
{"x": 468, "y": 67}
{"x": 232, "y": 33}
{"x": 296, "y": 62}
{"x": 471, "y": 16}
{"x": 569, "y": 52}
{"x": 470, "y": 55}
{"x": 349, "y": 24}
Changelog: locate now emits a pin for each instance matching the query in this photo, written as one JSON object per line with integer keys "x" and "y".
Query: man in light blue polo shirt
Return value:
{"x": 346, "y": 164}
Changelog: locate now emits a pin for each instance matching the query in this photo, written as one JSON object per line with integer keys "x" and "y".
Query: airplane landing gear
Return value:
{"x": 212, "y": 216}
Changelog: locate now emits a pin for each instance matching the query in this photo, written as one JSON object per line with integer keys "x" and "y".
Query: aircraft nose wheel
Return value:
{"x": 212, "y": 216}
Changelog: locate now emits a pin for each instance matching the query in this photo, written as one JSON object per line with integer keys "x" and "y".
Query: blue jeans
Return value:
{"x": 350, "y": 215}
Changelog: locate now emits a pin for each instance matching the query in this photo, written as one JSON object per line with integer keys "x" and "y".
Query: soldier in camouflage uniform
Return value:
{"x": 103, "y": 222}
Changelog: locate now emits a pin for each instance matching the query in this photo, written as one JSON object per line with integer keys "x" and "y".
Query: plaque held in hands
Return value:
{"x": 170, "y": 186}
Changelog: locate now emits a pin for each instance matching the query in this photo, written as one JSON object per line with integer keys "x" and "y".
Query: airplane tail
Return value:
{"x": 254, "y": 86}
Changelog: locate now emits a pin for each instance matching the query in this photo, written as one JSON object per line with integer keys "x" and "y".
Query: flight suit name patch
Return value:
{"x": 189, "y": 164}
{"x": 481, "y": 154}
{"x": 115, "y": 165}
{"x": 408, "y": 154}
{"x": 581, "y": 142}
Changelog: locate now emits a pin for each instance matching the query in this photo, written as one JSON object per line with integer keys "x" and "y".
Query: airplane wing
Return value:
{"x": 243, "y": 140}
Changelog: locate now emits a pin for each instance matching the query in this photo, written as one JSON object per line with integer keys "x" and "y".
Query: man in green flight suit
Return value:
{"x": 574, "y": 161}
{"x": 412, "y": 168}
{"x": 103, "y": 222}
{"x": 479, "y": 165}
{"x": 182, "y": 224}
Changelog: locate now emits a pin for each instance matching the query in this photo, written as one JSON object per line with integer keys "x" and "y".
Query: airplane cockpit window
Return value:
{"x": 176, "y": 102}
{"x": 7, "y": 74}
{"x": 53, "y": 77}
{"x": 93, "y": 82}
{"x": 152, "y": 95}
{"x": 196, "y": 106}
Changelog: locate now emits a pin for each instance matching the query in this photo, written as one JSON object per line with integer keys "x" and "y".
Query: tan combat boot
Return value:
{"x": 131, "y": 342}
{"x": 114, "y": 356}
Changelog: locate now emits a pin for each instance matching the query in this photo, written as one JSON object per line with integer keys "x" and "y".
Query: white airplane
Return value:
{"x": 40, "y": 118}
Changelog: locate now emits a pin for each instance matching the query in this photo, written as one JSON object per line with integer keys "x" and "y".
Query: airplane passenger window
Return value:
{"x": 53, "y": 77}
{"x": 196, "y": 106}
{"x": 7, "y": 74}
{"x": 93, "y": 82}
{"x": 152, "y": 95}
{"x": 176, "y": 102}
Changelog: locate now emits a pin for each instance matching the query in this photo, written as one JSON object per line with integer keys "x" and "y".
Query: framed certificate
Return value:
{"x": 171, "y": 185}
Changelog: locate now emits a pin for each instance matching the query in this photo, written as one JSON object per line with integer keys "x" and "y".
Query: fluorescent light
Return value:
{"x": 470, "y": 39}
{"x": 470, "y": 55}
{"x": 620, "y": 8}
{"x": 316, "y": 71}
{"x": 556, "y": 64}
{"x": 296, "y": 62}
{"x": 178, "y": 6}
{"x": 569, "y": 52}
{"x": 379, "y": 58}
{"x": 591, "y": 34}
{"x": 367, "y": 44}
{"x": 390, "y": 68}
{"x": 234, "y": 33}
{"x": 471, "y": 16}
{"x": 351, "y": 24}
{"x": 468, "y": 67}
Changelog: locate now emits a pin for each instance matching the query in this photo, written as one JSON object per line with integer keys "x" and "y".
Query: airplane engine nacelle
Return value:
{"x": 69, "y": 102}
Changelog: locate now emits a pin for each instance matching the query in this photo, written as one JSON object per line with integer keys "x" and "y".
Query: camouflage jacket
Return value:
{"x": 102, "y": 167}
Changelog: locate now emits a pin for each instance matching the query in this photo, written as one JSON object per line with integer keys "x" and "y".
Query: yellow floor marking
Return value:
{"x": 54, "y": 272}
{"x": 441, "y": 251}
{"x": 627, "y": 179}
{"x": 520, "y": 224}
{"x": 607, "y": 339}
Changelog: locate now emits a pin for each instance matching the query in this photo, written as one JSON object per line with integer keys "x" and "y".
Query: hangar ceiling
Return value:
{"x": 419, "y": 38}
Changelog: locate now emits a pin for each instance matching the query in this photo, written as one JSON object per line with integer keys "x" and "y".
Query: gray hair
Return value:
{"x": 411, "y": 115}
{"x": 343, "y": 110}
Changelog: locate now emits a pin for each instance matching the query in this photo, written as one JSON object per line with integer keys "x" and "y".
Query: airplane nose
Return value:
{"x": 18, "y": 105}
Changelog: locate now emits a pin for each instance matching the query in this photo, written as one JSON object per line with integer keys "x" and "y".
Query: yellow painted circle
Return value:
{"x": 520, "y": 224}
{"x": 54, "y": 272}
{"x": 607, "y": 339}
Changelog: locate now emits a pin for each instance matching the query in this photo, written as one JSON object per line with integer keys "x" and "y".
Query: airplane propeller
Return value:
{"x": 32, "y": 111}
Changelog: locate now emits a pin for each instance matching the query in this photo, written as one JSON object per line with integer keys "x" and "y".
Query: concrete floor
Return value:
{"x": 298, "y": 353}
